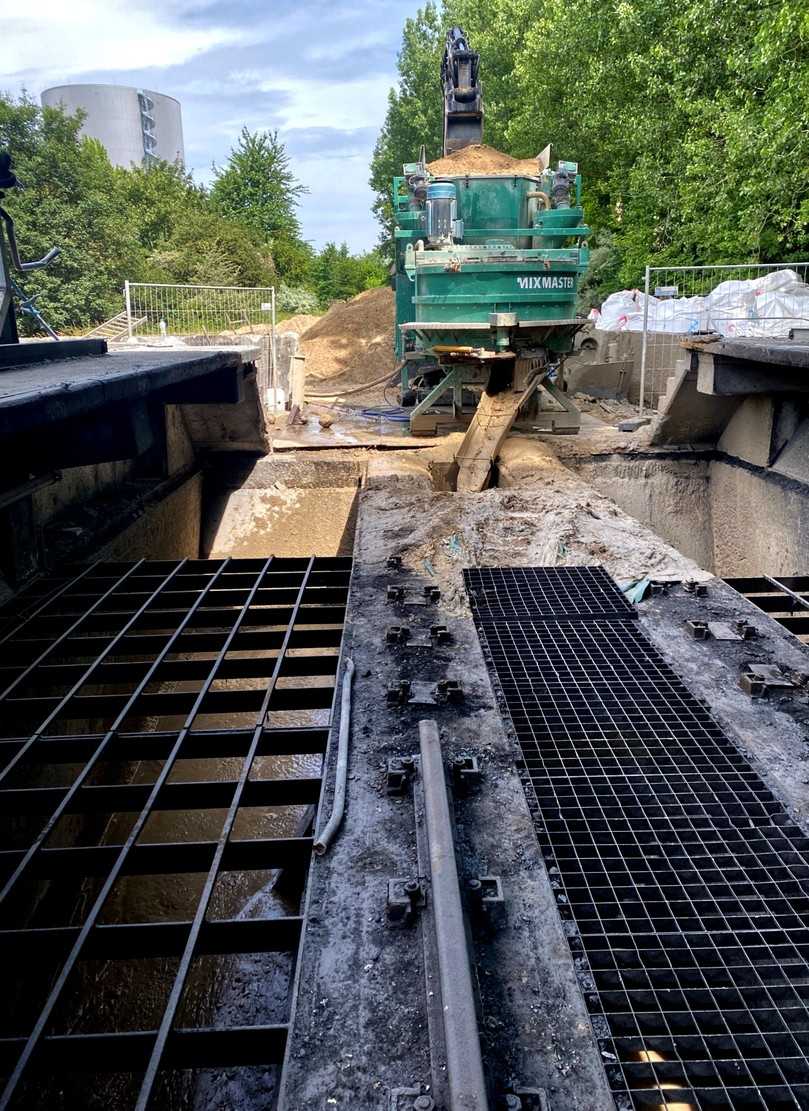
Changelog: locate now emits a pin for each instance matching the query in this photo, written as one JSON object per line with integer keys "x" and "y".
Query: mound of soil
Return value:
{"x": 298, "y": 323}
{"x": 353, "y": 342}
{"x": 480, "y": 159}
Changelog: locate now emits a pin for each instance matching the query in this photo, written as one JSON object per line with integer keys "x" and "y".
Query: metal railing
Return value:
{"x": 153, "y": 309}
{"x": 204, "y": 314}
{"x": 748, "y": 299}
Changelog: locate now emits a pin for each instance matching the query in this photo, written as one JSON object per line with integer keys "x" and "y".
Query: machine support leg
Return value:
{"x": 467, "y": 1086}
{"x": 435, "y": 393}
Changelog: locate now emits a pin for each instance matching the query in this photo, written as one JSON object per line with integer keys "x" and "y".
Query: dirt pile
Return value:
{"x": 480, "y": 159}
{"x": 299, "y": 323}
{"x": 353, "y": 343}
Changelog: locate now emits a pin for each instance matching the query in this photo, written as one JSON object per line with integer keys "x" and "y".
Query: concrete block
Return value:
{"x": 793, "y": 461}
{"x": 689, "y": 417}
{"x": 749, "y": 431}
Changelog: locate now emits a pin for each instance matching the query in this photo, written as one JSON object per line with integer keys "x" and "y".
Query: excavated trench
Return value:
{"x": 730, "y": 517}
{"x": 662, "y": 515}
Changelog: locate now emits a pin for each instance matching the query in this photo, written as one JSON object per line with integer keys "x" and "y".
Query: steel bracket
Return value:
{"x": 440, "y": 634}
{"x": 411, "y": 1099}
{"x": 466, "y": 773}
{"x": 698, "y": 629}
{"x": 486, "y": 894}
{"x": 449, "y": 690}
{"x": 401, "y": 636}
{"x": 400, "y": 769}
{"x": 519, "y": 1098}
{"x": 406, "y": 897}
{"x": 398, "y": 595}
{"x": 691, "y": 586}
{"x": 398, "y": 693}
{"x": 758, "y": 680}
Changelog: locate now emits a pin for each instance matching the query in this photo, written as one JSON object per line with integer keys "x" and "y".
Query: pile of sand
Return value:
{"x": 299, "y": 323}
{"x": 480, "y": 159}
{"x": 353, "y": 343}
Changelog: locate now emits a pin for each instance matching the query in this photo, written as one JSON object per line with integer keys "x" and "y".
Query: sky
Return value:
{"x": 317, "y": 71}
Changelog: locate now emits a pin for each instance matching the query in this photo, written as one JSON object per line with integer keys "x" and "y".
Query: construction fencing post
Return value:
{"x": 128, "y": 301}
{"x": 644, "y": 341}
{"x": 730, "y": 299}
{"x": 273, "y": 375}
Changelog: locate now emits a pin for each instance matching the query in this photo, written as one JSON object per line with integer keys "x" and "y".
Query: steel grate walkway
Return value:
{"x": 786, "y": 599}
{"x": 682, "y": 882}
{"x": 161, "y": 742}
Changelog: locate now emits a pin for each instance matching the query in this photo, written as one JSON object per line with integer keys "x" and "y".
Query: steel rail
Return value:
{"x": 43, "y": 1019}
{"x": 178, "y": 987}
{"x": 108, "y": 737}
{"x": 803, "y": 603}
{"x": 467, "y": 1084}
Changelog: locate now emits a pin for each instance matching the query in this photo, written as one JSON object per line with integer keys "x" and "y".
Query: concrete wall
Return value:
{"x": 672, "y": 497}
{"x": 285, "y": 505}
{"x": 760, "y": 525}
{"x": 729, "y": 518}
{"x": 611, "y": 363}
{"x": 169, "y": 529}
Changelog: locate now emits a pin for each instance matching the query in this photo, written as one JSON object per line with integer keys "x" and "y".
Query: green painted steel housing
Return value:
{"x": 513, "y": 271}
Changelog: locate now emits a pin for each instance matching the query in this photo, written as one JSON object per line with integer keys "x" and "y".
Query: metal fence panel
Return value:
{"x": 666, "y": 286}
{"x": 198, "y": 310}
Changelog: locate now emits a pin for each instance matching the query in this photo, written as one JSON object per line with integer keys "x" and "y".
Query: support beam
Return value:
{"x": 467, "y": 1084}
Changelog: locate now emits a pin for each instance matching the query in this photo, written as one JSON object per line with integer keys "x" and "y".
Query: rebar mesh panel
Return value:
{"x": 130, "y": 693}
{"x": 537, "y": 592}
{"x": 682, "y": 882}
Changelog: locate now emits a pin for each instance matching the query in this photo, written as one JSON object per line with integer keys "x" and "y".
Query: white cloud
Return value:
{"x": 307, "y": 102}
{"x": 64, "y": 40}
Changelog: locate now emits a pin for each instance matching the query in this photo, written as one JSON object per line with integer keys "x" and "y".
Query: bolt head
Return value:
{"x": 423, "y": 1103}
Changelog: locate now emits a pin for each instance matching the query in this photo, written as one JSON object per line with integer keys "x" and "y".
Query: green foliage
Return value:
{"x": 206, "y": 249}
{"x": 339, "y": 275}
{"x": 296, "y": 299}
{"x": 70, "y": 202}
{"x": 688, "y": 121}
{"x": 155, "y": 223}
{"x": 258, "y": 189}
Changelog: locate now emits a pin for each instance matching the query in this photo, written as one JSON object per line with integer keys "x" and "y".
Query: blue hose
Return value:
{"x": 391, "y": 413}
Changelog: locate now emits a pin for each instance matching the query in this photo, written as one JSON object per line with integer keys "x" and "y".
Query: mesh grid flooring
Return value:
{"x": 545, "y": 592}
{"x": 682, "y": 881}
{"x": 131, "y": 693}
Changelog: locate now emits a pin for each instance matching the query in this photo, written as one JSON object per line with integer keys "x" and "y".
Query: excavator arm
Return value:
{"x": 463, "y": 95}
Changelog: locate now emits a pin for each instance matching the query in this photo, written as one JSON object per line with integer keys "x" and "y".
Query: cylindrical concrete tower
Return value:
{"x": 134, "y": 125}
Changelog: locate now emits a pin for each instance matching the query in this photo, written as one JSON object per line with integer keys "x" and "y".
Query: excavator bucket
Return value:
{"x": 463, "y": 96}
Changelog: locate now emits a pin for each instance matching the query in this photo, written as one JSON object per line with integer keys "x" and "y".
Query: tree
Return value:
{"x": 688, "y": 122}
{"x": 415, "y": 112}
{"x": 258, "y": 189}
{"x": 339, "y": 275}
{"x": 70, "y": 202}
{"x": 204, "y": 248}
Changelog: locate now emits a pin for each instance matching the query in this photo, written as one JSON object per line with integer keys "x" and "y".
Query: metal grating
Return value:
{"x": 545, "y": 592}
{"x": 682, "y": 881}
{"x": 163, "y": 724}
{"x": 786, "y": 599}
